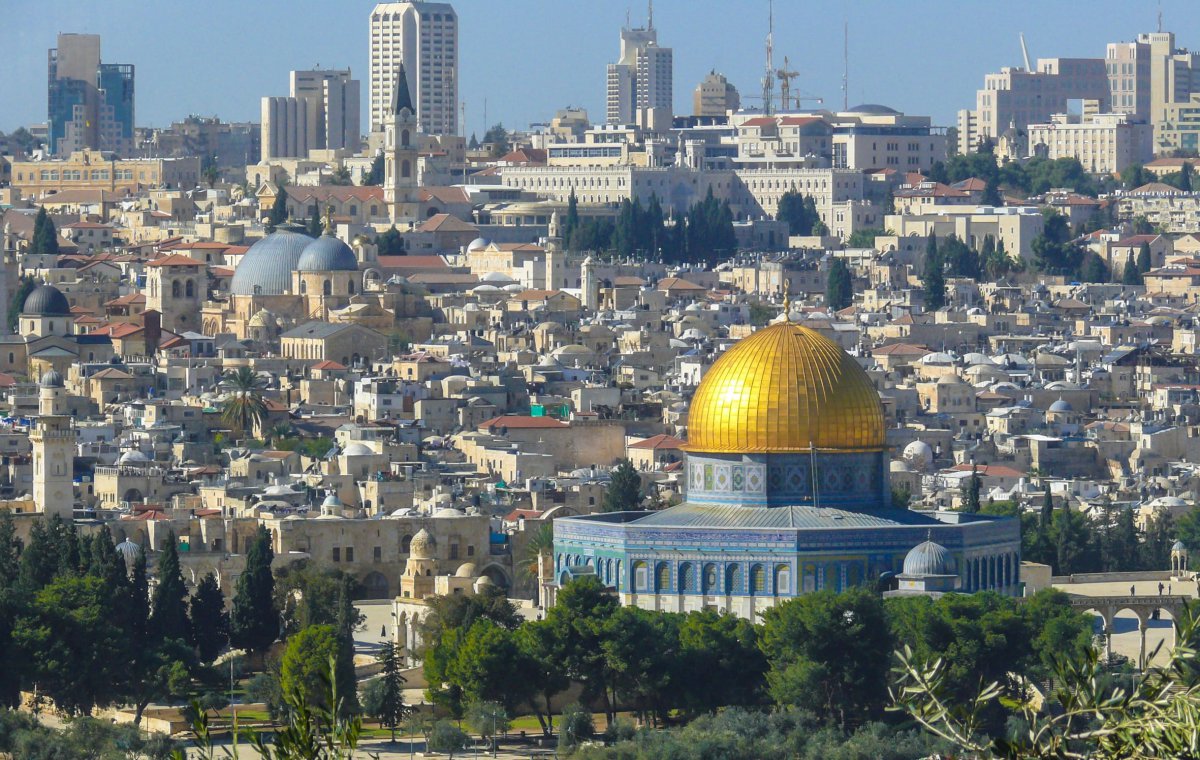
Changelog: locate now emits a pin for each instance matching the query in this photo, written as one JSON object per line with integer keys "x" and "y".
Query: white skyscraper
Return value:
{"x": 424, "y": 36}
{"x": 640, "y": 86}
{"x": 333, "y": 111}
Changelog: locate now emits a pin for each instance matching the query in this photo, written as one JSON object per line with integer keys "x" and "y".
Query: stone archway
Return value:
{"x": 497, "y": 575}
{"x": 375, "y": 586}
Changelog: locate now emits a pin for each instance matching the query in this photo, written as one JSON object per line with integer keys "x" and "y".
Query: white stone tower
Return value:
{"x": 590, "y": 290}
{"x": 400, "y": 154}
{"x": 53, "y": 440}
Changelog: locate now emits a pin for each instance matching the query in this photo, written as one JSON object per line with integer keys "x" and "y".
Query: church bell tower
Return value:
{"x": 400, "y": 154}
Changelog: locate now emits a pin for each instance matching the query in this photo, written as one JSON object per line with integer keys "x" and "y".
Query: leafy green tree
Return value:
{"x": 578, "y": 619}
{"x": 1144, "y": 261}
{"x": 25, "y": 286}
{"x": 640, "y": 649}
{"x": 1070, "y": 540}
{"x": 865, "y": 238}
{"x": 245, "y": 406}
{"x": 719, "y": 662}
{"x": 482, "y": 663}
{"x": 839, "y": 286}
{"x": 543, "y": 652}
{"x": 991, "y": 194}
{"x": 11, "y": 603}
{"x": 1093, "y": 268}
{"x": 497, "y": 136}
{"x": 384, "y": 697}
{"x": 1130, "y": 274}
{"x": 1134, "y": 175}
{"x": 72, "y": 644}
{"x": 390, "y": 242}
{"x": 799, "y": 211}
{"x": 447, "y": 737}
{"x": 1053, "y": 251}
{"x": 489, "y": 720}
{"x": 254, "y": 621}
{"x": 540, "y": 543}
{"x": 279, "y": 210}
{"x": 577, "y": 727}
{"x": 829, "y": 653}
{"x": 624, "y": 491}
{"x": 208, "y": 620}
{"x": 306, "y": 661}
{"x": 933, "y": 278}
{"x": 308, "y": 593}
{"x": 53, "y": 550}
{"x": 970, "y": 493}
{"x": 168, "y": 617}
{"x": 341, "y": 176}
{"x": 45, "y": 234}
{"x": 376, "y": 175}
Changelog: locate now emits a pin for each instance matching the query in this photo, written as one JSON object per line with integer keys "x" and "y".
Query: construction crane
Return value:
{"x": 786, "y": 75}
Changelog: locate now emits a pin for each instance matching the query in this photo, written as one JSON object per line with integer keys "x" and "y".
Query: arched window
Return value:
{"x": 809, "y": 578}
{"x": 303, "y": 287}
{"x": 758, "y": 580}
{"x": 404, "y": 137}
{"x": 662, "y": 577}
{"x": 710, "y": 578}
{"x": 327, "y": 288}
{"x": 174, "y": 288}
{"x": 190, "y": 290}
{"x": 620, "y": 579}
{"x": 405, "y": 168}
{"x": 733, "y": 580}
{"x": 640, "y": 580}
{"x": 783, "y": 580}
{"x": 687, "y": 583}
{"x": 406, "y": 544}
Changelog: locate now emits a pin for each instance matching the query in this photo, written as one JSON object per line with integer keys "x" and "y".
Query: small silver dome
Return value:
{"x": 51, "y": 378}
{"x": 929, "y": 558}
{"x": 327, "y": 254}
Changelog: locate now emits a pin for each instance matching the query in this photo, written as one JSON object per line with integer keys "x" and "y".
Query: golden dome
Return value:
{"x": 785, "y": 388}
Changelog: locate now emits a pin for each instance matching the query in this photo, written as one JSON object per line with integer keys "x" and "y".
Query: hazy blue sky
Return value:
{"x": 530, "y": 57}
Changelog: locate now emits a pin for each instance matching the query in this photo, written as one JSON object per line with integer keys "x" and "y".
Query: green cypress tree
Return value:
{"x": 970, "y": 495}
{"x": 254, "y": 621}
{"x": 209, "y": 620}
{"x": 279, "y": 212}
{"x": 839, "y": 287}
{"x": 168, "y": 618}
{"x": 934, "y": 278}
{"x": 1130, "y": 274}
{"x": 624, "y": 490}
{"x": 1143, "y": 258}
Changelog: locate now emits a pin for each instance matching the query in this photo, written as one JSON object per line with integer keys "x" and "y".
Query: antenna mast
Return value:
{"x": 1025, "y": 53}
{"x": 650, "y": 16}
{"x": 845, "y": 65}
{"x": 768, "y": 82}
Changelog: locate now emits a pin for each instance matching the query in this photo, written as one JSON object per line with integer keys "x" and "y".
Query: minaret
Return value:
{"x": 53, "y": 441}
{"x": 8, "y": 269}
{"x": 400, "y": 154}
{"x": 590, "y": 295}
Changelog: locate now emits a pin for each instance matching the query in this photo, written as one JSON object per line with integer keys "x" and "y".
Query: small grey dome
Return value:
{"x": 357, "y": 449}
{"x": 327, "y": 254}
{"x": 1178, "y": 546}
{"x": 133, "y": 457}
{"x": 51, "y": 378}
{"x": 129, "y": 552}
{"x": 332, "y": 501}
{"x": 266, "y": 269}
{"x": 478, "y": 244}
{"x": 1060, "y": 406}
{"x": 46, "y": 301}
{"x": 929, "y": 558}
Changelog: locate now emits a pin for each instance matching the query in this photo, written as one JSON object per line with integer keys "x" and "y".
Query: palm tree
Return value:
{"x": 244, "y": 406}
{"x": 541, "y": 542}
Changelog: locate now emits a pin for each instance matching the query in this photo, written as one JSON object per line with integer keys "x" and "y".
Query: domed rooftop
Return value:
{"x": 266, "y": 269}
{"x": 874, "y": 108}
{"x": 132, "y": 457}
{"x": 51, "y": 378}
{"x": 46, "y": 301}
{"x": 357, "y": 449}
{"x": 785, "y": 388}
{"x": 466, "y": 570}
{"x": 422, "y": 545}
{"x": 929, "y": 558}
{"x": 327, "y": 254}
{"x": 1060, "y": 406}
{"x": 478, "y": 244}
{"x": 1178, "y": 546}
{"x": 129, "y": 551}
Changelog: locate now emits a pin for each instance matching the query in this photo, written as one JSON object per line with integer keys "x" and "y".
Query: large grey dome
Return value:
{"x": 327, "y": 254}
{"x": 929, "y": 559}
{"x": 46, "y": 301}
{"x": 266, "y": 269}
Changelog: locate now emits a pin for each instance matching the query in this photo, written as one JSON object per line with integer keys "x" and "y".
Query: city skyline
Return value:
{"x": 532, "y": 85}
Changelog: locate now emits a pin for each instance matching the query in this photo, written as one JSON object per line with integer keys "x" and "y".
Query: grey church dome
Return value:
{"x": 266, "y": 269}
{"x": 46, "y": 301}
{"x": 327, "y": 254}
{"x": 929, "y": 558}
{"x": 51, "y": 378}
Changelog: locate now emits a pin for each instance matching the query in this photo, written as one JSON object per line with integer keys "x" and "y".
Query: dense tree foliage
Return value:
{"x": 624, "y": 491}
{"x": 209, "y": 619}
{"x": 45, "y": 234}
{"x": 306, "y": 662}
{"x": 254, "y": 620}
{"x": 839, "y": 285}
{"x": 1034, "y": 177}
{"x": 390, "y": 242}
{"x": 933, "y": 275}
{"x": 800, "y": 213}
{"x": 279, "y": 212}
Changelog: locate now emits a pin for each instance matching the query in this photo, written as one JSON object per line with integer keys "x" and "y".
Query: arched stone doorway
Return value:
{"x": 375, "y": 586}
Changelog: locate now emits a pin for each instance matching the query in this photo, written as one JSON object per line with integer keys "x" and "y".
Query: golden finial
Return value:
{"x": 329, "y": 219}
{"x": 787, "y": 300}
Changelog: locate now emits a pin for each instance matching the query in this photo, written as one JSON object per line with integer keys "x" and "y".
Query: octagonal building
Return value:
{"x": 787, "y": 483}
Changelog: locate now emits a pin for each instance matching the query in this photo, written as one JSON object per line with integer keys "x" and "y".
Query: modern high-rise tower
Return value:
{"x": 424, "y": 37}
{"x": 89, "y": 103}
{"x": 640, "y": 83}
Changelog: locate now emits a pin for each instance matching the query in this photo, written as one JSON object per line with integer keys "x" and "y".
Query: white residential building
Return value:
{"x": 424, "y": 36}
{"x": 1104, "y": 143}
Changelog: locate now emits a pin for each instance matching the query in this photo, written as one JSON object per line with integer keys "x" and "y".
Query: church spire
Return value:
{"x": 401, "y": 97}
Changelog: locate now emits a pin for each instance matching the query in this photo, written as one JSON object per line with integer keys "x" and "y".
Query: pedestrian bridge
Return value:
{"x": 1142, "y": 606}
